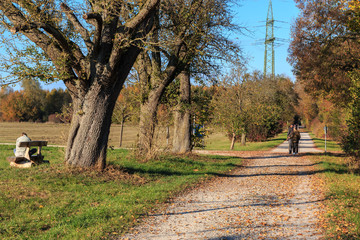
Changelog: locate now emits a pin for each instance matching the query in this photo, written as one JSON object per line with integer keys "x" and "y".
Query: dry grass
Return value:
{"x": 342, "y": 196}
{"x": 56, "y": 134}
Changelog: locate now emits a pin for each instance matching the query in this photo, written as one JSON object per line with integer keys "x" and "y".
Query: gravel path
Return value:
{"x": 274, "y": 196}
{"x": 306, "y": 145}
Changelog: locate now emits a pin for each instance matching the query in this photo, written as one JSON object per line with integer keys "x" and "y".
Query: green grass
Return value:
{"x": 52, "y": 202}
{"x": 342, "y": 197}
{"x": 331, "y": 146}
{"x": 218, "y": 141}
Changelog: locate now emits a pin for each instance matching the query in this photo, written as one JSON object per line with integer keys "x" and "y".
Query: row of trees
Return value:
{"x": 245, "y": 105}
{"x": 242, "y": 104}
{"x": 325, "y": 52}
{"x": 254, "y": 108}
{"x": 93, "y": 46}
{"x": 33, "y": 103}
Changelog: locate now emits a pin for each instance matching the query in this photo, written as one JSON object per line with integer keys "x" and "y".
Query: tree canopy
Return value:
{"x": 324, "y": 48}
{"x": 92, "y": 45}
{"x": 325, "y": 53}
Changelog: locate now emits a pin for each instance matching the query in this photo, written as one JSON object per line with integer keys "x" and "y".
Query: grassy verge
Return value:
{"x": 331, "y": 146}
{"x": 53, "y": 202}
{"x": 342, "y": 197}
{"x": 218, "y": 141}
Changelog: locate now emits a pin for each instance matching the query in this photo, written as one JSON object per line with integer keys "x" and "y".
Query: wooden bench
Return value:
{"x": 27, "y": 160}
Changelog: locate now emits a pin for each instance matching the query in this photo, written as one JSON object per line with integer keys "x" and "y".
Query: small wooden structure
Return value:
{"x": 27, "y": 161}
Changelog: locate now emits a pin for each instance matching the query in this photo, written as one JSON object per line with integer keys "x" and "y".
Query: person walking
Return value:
{"x": 290, "y": 130}
{"x": 295, "y": 138}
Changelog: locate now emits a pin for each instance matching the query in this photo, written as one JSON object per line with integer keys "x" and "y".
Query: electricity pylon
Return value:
{"x": 269, "y": 59}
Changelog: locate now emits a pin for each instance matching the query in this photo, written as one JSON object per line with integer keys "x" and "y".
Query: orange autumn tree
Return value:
{"x": 323, "y": 49}
{"x": 19, "y": 106}
{"x": 354, "y": 15}
{"x": 325, "y": 54}
{"x": 351, "y": 138}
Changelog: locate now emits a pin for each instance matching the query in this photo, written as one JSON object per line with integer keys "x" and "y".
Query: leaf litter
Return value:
{"x": 270, "y": 197}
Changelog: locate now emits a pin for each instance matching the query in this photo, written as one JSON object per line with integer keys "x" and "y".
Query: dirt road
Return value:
{"x": 273, "y": 196}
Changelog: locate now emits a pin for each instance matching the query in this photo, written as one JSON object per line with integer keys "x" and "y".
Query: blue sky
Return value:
{"x": 252, "y": 14}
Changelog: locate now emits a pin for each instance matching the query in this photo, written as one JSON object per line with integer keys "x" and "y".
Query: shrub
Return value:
{"x": 351, "y": 138}
{"x": 54, "y": 118}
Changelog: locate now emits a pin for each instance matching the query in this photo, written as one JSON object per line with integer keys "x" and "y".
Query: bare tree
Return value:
{"x": 190, "y": 35}
{"x": 93, "y": 57}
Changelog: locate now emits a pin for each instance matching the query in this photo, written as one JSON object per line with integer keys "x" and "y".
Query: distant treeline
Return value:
{"x": 241, "y": 104}
{"x": 33, "y": 104}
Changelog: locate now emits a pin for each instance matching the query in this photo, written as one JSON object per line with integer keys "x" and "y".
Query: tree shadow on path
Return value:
{"x": 272, "y": 204}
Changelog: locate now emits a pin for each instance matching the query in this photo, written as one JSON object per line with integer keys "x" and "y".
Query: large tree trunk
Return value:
{"x": 243, "y": 139}
{"x": 91, "y": 120}
{"x": 233, "y": 141}
{"x": 148, "y": 111}
{"x": 182, "y": 118}
{"x": 89, "y": 132}
{"x": 153, "y": 86}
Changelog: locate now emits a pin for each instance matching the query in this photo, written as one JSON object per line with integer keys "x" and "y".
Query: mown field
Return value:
{"x": 56, "y": 134}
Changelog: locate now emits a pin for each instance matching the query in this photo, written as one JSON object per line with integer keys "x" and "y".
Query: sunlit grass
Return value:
{"x": 218, "y": 141}
{"x": 342, "y": 197}
{"x": 331, "y": 146}
{"x": 52, "y": 202}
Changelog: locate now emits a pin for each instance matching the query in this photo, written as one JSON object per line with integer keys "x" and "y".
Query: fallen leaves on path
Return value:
{"x": 270, "y": 197}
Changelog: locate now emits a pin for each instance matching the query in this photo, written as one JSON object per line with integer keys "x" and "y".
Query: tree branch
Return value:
{"x": 31, "y": 30}
{"x": 148, "y": 7}
{"x": 15, "y": 16}
{"x": 98, "y": 28}
{"x": 83, "y": 31}
{"x": 63, "y": 42}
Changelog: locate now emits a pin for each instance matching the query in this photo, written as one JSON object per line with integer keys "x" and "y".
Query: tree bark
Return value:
{"x": 121, "y": 132}
{"x": 243, "y": 139}
{"x": 90, "y": 127}
{"x": 167, "y": 135}
{"x": 182, "y": 118}
{"x": 233, "y": 141}
{"x": 153, "y": 85}
{"x": 147, "y": 124}
{"x": 87, "y": 142}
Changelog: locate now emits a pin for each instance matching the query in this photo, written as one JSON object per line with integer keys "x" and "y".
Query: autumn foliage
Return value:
{"x": 247, "y": 105}
{"x": 32, "y": 106}
{"x": 325, "y": 53}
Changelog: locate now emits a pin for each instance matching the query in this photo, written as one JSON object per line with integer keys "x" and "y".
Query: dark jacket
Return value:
{"x": 295, "y": 136}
